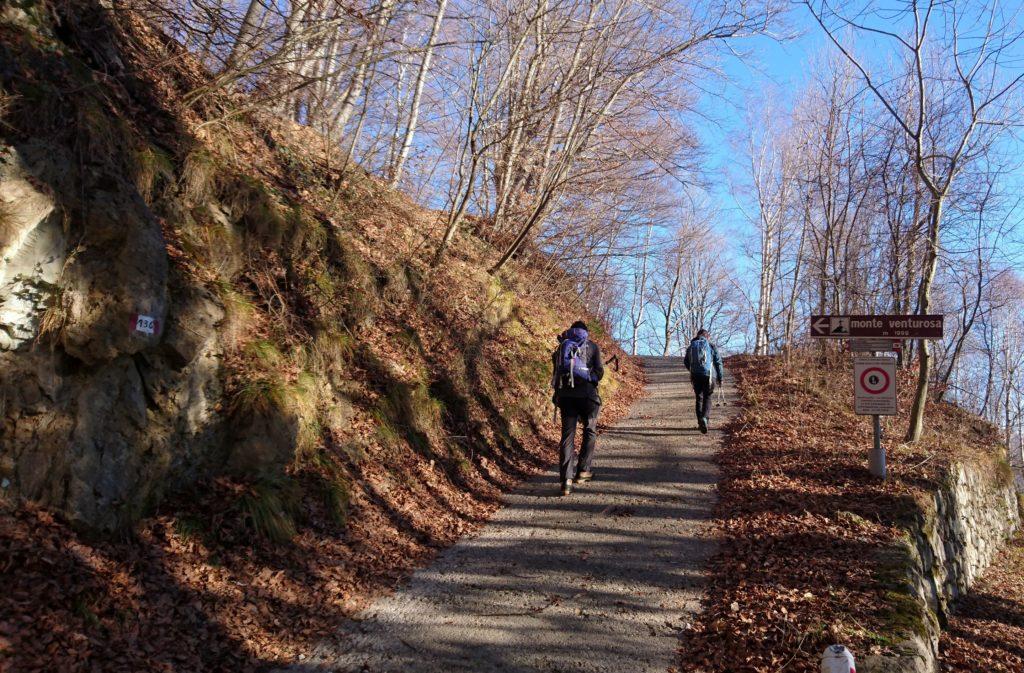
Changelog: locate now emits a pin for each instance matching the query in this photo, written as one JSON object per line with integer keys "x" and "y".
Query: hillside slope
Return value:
{"x": 816, "y": 551}
{"x": 232, "y": 356}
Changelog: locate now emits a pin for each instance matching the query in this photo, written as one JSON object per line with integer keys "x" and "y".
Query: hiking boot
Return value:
{"x": 567, "y": 487}
{"x": 702, "y": 425}
{"x": 584, "y": 476}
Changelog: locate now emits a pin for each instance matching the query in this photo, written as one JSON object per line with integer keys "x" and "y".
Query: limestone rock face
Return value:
{"x": 117, "y": 273}
{"x": 32, "y": 252}
{"x": 112, "y": 339}
{"x": 110, "y": 386}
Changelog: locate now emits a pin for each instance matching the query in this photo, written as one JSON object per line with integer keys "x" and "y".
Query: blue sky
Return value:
{"x": 778, "y": 67}
{"x": 766, "y": 67}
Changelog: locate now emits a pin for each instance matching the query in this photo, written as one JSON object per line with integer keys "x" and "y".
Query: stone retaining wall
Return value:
{"x": 949, "y": 543}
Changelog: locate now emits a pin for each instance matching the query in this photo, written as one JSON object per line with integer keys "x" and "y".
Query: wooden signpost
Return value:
{"x": 874, "y": 377}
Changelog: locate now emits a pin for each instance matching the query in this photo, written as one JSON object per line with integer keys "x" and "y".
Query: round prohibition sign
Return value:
{"x": 874, "y": 381}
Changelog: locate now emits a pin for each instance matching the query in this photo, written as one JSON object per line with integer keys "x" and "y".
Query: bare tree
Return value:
{"x": 414, "y": 106}
{"x": 958, "y": 92}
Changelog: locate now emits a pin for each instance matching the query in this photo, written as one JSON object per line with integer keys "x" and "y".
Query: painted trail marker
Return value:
{"x": 145, "y": 324}
{"x": 879, "y": 326}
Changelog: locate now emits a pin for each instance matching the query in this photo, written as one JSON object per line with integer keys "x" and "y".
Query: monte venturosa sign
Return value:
{"x": 886, "y": 326}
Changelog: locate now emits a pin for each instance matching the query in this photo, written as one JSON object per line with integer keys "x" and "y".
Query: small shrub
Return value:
{"x": 102, "y": 134}
{"x": 409, "y": 411}
{"x": 360, "y": 299}
{"x": 262, "y": 393}
{"x": 308, "y": 234}
{"x": 334, "y": 487}
{"x": 328, "y": 353}
{"x": 54, "y": 317}
{"x": 209, "y": 238}
{"x": 83, "y": 606}
{"x": 500, "y": 304}
{"x": 411, "y": 338}
{"x": 1004, "y": 471}
{"x": 240, "y": 314}
{"x": 189, "y": 528}
{"x": 386, "y": 431}
{"x": 355, "y": 449}
{"x": 252, "y": 204}
{"x": 265, "y": 352}
{"x": 309, "y": 436}
{"x": 336, "y": 500}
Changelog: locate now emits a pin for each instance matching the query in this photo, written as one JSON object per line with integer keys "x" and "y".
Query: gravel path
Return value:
{"x": 599, "y": 581}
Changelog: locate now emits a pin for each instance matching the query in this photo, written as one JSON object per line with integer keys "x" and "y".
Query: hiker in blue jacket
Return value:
{"x": 577, "y": 371}
{"x": 703, "y": 361}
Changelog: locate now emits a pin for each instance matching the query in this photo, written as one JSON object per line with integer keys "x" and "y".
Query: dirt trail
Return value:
{"x": 599, "y": 581}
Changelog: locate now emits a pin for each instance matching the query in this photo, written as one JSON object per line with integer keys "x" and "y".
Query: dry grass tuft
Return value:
{"x": 154, "y": 173}
{"x": 269, "y": 506}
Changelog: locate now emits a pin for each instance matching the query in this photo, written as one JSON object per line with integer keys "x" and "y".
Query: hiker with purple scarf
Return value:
{"x": 577, "y": 372}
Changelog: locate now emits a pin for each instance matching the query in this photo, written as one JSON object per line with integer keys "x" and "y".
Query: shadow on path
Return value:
{"x": 602, "y": 580}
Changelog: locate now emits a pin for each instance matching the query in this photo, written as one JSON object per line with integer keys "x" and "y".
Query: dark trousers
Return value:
{"x": 576, "y": 410}
{"x": 702, "y": 390}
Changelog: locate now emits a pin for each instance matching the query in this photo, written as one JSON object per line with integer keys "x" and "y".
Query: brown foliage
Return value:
{"x": 804, "y": 527}
{"x": 421, "y": 395}
{"x": 988, "y": 625}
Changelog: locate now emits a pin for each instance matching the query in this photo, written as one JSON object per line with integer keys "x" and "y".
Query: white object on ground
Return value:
{"x": 837, "y": 659}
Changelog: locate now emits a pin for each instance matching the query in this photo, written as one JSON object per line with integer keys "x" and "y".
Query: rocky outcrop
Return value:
{"x": 109, "y": 381}
{"x": 948, "y": 544}
{"x": 112, "y": 356}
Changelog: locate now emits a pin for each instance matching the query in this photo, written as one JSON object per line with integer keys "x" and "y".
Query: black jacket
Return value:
{"x": 581, "y": 389}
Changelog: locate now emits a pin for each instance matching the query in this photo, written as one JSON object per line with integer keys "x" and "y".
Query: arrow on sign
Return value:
{"x": 820, "y": 326}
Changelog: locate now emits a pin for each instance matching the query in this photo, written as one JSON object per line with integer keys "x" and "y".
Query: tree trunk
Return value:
{"x": 356, "y": 87}
{"x": 246, "y": 31}
{"x": 640, "y": 290}
{"x": 414, "y": 108}
{"x": 916, "y": 425}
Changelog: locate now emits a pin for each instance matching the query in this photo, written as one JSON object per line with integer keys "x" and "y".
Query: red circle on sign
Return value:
{"x": 869, "y": 391}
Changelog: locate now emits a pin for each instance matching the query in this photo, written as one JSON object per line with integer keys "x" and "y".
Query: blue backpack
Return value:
{"x": 701, "y": 358}
{"x": 573, "y": 354}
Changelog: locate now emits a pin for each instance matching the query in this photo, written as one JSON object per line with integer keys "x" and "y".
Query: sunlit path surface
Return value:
{"x": 599, "y": 581}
